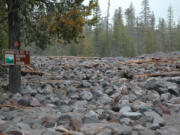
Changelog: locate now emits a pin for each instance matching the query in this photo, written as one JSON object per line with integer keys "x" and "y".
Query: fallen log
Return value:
{"x": 30, "y": 68}
{"x": 24, "y": 72}
{"x": 152, "y": 60}
{"x": 169, "y": 74}
{"x": 14, "y": 106}
{"x": 75, "y": 57}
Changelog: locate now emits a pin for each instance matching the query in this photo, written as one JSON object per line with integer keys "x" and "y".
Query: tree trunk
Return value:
{"x": 14, "y": 43}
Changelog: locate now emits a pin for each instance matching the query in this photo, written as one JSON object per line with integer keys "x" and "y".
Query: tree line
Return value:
{"x": 127, "y": 35}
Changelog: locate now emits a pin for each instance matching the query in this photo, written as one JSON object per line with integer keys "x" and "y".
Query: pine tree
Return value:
{"x": 162, "y": 36}
{"x": 145, "y": 13}
{"x": 122, "y": 44}
{"x": 170, "y": 28}
{"x": 152, "y": 21}
{"x": 177, "y": 37}
{"x": 130, "y": 16}
{"x": 97, "y": 30}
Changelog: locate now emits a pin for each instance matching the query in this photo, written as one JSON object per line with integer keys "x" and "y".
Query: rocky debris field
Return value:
{"x": 94, "y": 96}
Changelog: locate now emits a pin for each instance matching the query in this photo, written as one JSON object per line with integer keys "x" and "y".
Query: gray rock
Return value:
{"x": 64, "y": 119}
{"x": 64, "y": 109}
{"x": 173, "y": 80}
{"x": 80, "y": 104}
{"x": 161, "y": 86}
{"x": 90, "y": 120}
{"x": 29, "y": 90}
{"x": 173, "y": 88}
{"x": 24, "y": 102}
{"x": 86, "y": 95}
{"x": 2, "y": 122}
{"x": 35, "y": 102}
{"x": 85, "y": 83}
{"x": 104, "y": 99}
{"x": 73, "y": 94}
{"x": 93, "y": 128}
{"x": 47, "y": 89}
{"x": 165, "y": 97}
{"x": 131, "y": 115}
{"x": 139, "y": 127}
{"x": 96, "y": 94}
{"x": 105, "y": 132}
{"x": 5, "y": 109}
{"x": 23, "y": 126}
{"x": 37, "y": 126}
{"x": 50, "y": 131}
{"x": 125, "y": 109}
{"x": 125, "y": 121}
{"x": 16, "y": 96}
{"x": 91, "y": 117}
{"x": 2, "y": 100}
{"x": 12, "y": 128}
{"x": 157, "y": 119}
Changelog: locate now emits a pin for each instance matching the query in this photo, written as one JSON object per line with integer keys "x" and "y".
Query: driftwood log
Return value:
{"x": 168, "y": 74}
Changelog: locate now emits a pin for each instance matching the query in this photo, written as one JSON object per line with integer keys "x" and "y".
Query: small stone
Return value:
{"x": 5, "y": 109}
{"x": 2, "y": 100}
{"x": 50, "y": 131}
{"x": 157, "y": 119}
{"x": 23, "y": 126}
{"x": 125, "y": 109}
{"x": 105, "y": 132}
{"x": 164, "y": 109}
{"x": 47, "y": 89}
{"x": 80, "y": 106}
{"x": 138, "y": 127}
{"x": 75, "y": 124}
{"x": 91, "y": 117}
{"x": 35, "y": 102}
{"x": 131, "y": 115}
{"x": 2, "y": 122}
{"x": 37, "y": 126}
{"x": 9, "y": 117}
{"x": 24, "y": 102}
{"x": 144, "y": 109}
{"x": 125, "y": 121}
{"x": 104, "y": 99}
{"x": 173, "y": 88}
{"x": 29, "y": 90}
{"x": 73, "y": 94}
{"x": 85, "y": 83}
{"x": 165, "y": 97}
{"x": 65, "y": 109}
{"x": 86, "y": 95}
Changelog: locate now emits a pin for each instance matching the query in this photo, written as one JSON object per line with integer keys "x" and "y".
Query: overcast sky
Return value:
{"x": 159, "y": 7}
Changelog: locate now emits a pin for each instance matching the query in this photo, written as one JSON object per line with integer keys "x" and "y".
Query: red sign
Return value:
{"x": 16, "y": 57}
{"x": 16, "y": 44}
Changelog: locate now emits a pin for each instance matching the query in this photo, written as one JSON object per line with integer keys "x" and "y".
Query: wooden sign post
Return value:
{"x": 16, "y": 57}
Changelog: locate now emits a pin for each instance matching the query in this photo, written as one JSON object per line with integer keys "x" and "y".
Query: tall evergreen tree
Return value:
{"x": 177, "y": 36}
{"x": 145, "y": 13}
{"x": 170, "y": 28}
{"x": 97, "y": 29}
{"x": 162, "y": 36}
{"x": 130, "y": 16}
{"x": 152, "y": 21}
{"x": 122, "y": 44}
